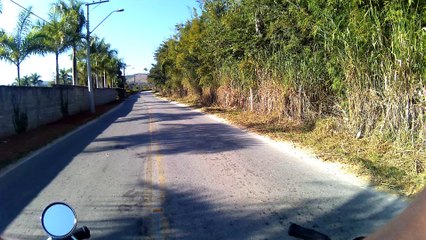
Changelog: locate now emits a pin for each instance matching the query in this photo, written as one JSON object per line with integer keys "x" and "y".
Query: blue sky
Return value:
{"x": 136, "y": 33}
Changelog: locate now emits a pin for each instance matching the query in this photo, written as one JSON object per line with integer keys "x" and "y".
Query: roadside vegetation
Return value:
{"x": 345, "y": 78}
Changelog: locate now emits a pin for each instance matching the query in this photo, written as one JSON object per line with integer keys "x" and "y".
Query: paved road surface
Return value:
{"x": 155, "y": 170}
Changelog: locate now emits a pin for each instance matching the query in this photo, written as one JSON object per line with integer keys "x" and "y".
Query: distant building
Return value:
{"x": 138, "y": 79}
{"x": 44, "y": 84}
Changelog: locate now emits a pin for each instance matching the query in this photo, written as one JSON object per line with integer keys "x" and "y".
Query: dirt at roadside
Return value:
{"x": 17, "y": 146}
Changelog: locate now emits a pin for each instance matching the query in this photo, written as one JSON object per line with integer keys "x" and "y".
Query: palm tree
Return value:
{"x": 24, "y": 41}
{"x": 106, "y": 57}
{"x": 64, "y": 76}
{"x": 35, "y": 79}
{"x": 73, "y": 14}
{"x": 24, "y": 81}
{"x": 105, "y": 63}
{"x": 16, "y": 82}
{"x": 56, "y": 40}
{"x": 82, "y": 69}
{"x": 111, "y": 67}
{"x": 97, "y": 48}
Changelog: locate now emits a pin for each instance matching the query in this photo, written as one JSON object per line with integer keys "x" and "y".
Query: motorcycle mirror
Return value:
{"x": 59, "y": 220}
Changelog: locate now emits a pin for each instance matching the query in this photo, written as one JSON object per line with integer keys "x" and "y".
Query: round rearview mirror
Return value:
{"x": 58, "y": 220}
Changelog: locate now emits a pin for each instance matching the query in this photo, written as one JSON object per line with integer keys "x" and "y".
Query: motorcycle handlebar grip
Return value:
{"x": 82, "y": 233}
{"x": 304, "y": 233}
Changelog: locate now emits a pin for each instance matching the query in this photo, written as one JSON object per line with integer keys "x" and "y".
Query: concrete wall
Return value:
{"x": 43, "y": 105}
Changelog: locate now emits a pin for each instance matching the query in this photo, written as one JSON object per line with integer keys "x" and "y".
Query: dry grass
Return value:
{"x": 189, "y": 100}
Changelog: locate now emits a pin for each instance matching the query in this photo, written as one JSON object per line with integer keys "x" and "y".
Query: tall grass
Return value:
{"x": 383, "y": 66}
{"x": 361, "y": 61}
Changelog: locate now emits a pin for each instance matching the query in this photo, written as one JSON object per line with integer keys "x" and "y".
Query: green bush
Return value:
{"x": 20, "y": 120}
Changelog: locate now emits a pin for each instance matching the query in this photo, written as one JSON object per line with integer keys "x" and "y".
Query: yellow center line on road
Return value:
{"x": 157, "y": 222}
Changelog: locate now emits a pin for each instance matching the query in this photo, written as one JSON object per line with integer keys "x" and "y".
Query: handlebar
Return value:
{"x": 304, "y": 233}
{"x": 81, "y": 233}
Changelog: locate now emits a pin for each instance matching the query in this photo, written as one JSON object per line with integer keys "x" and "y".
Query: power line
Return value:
{"x": 28, "y": 10}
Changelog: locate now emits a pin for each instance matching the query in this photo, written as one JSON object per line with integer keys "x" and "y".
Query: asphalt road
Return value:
{"x": 151, "y": 169}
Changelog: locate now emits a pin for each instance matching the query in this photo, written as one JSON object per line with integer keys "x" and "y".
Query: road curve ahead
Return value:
{"x": 151, "y": 169}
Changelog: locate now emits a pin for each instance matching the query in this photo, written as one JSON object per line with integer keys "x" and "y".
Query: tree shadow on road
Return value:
{"x": 160, "y": 117}
{"x": 175, "y": 130}
{"x": 183, "y": 138}
{"x": 20, "y": 186}
{"x": 201, "y": 214}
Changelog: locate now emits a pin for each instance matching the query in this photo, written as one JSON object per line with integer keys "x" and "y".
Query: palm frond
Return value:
{"x": 24, "y": 24}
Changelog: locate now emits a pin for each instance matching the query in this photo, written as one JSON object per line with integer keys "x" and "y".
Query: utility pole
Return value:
{"x": 89, "y": 68}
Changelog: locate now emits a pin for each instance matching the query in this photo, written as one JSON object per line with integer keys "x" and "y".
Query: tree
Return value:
{"x": 64, "y": 76}
{"x": 24, "y": 41}
{"x": 120, "y": 80}
{"x": 104, "y": 61}
{"x": 56, "y": 39}
{"x": 73, "y": 15}
{"x": 25, "y": 81}
{"x": 35, "y": 79}
{"x": 108, "y": 64}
